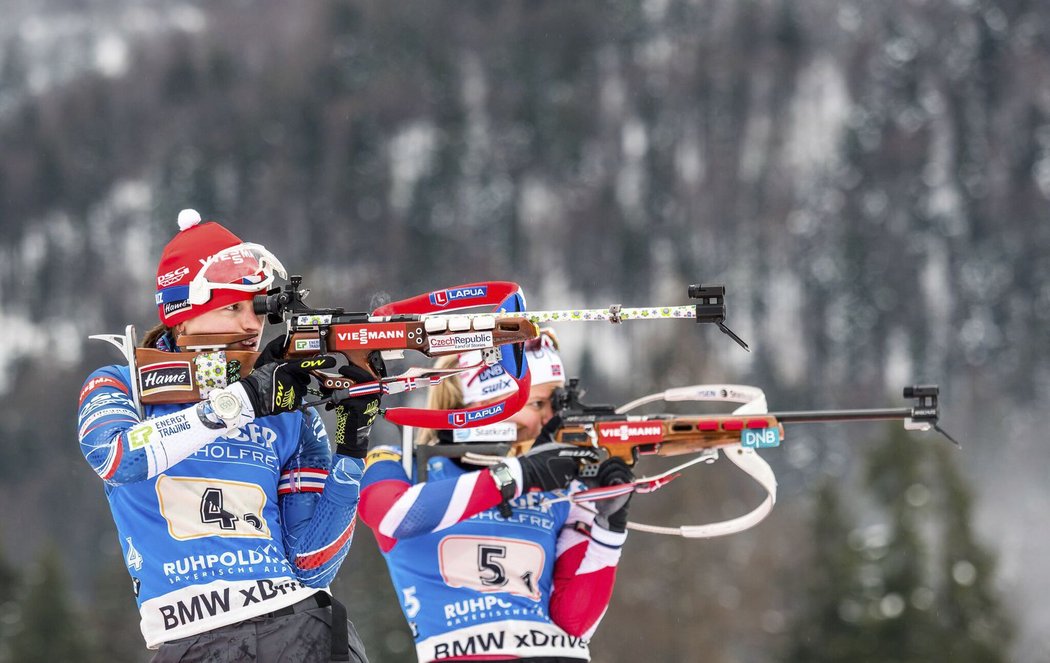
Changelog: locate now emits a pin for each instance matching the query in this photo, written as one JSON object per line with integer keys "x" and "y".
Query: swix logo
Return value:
{"x": 95, "y": 383}
{"x": 382, "y": 336}
{"x": 445, "y": 297}
{"x": 172, "y": 277}
{"x": 166, "y": 376}
{"x": 460, "y": 419}
{"x": 631, "y": 431}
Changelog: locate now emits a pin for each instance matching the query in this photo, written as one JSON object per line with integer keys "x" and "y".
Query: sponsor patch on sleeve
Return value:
{"x": 377, "y": 455}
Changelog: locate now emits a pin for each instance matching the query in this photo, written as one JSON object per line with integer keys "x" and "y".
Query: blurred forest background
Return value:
{"x": 870, "y": 181}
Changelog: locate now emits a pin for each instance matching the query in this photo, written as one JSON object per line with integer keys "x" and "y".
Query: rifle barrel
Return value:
{"x": 817, "y": 416}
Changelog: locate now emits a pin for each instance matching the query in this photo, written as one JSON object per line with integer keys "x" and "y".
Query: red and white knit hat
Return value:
{"x": 190, "y": 279}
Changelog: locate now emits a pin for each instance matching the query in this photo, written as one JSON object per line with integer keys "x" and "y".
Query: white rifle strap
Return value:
{"x": 754, "y": 402}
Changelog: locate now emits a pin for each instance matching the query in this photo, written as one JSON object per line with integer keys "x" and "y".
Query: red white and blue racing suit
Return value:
{"x": 476, "y": 586}
{"x": 216, "y": 527}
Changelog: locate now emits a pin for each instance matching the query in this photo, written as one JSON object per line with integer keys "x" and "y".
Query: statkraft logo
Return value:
{"x": 461, "y": 419}
{"x": 445, "y": 297}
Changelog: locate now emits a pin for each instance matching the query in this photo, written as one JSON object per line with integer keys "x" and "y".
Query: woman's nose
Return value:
{"x": 250, "y": 321}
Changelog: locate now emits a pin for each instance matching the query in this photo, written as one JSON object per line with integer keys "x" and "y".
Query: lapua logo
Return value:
{"x": 446, "y": 297}
{"x": 460, "y": 419}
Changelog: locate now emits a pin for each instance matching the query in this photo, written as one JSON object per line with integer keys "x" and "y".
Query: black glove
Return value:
{"x": 612, "y": 513}
{"x": 271, "y": 352}
{"x": 551, "y": 465}
{"x": 280, "y": 386}
{"x": 354, "y": 416}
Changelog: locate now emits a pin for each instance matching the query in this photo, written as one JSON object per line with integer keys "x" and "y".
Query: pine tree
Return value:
{"x": 9, "y": 588}
{"x": 919, "y": 587}
{"x": 970, "y": 611}
{"x": 50, "y": 629}
{"x": 829, "y": 626}
{"x": 904, "y": 629}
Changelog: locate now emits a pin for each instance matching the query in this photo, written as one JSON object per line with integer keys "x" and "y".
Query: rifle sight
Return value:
{"x": 278, "y": 302}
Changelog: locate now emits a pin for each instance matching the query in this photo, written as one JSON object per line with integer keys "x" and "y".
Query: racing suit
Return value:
{"x": 216, "y": 527}
{"x": 475, "y": 585}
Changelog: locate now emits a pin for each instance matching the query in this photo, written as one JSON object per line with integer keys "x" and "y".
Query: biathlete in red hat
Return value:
{"x": 232, "y": 513}
{"x": 486, "y": 568}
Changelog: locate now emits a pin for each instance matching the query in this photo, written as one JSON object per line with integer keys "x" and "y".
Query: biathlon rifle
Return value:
{"x": 205, "y": 363}
{"x": 630, "y": 436}
{"x": 737, "y": 435}
{"x": 431, "y": 323}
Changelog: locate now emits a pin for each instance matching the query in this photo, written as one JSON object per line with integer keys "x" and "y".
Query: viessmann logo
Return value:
{"x": 369, "y": 335}
{"x": 460, "y": 419}
{"x": 445, "y": 297}
{"x": 634, "y": 432}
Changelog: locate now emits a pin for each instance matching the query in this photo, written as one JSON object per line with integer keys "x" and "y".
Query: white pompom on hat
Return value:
{"x": 188, "y": 218}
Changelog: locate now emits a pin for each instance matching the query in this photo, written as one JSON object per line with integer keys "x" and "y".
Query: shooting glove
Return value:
{"x": 354, "y": 416}
{"x": 551, "y": 465}
{"x": 612, "y": 513}
{"x": 280, "y": 386}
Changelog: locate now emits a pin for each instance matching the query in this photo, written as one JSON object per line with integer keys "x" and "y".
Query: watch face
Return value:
{"x": 503, "y": 476}
{"x": 226, "y": 405}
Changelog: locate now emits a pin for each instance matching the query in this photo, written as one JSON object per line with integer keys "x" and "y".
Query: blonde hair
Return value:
{"x": 448, "y": 395}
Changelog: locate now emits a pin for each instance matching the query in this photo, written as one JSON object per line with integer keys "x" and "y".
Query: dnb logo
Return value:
{"x": 446, "y": 297}
{"x": 461, "y": 419}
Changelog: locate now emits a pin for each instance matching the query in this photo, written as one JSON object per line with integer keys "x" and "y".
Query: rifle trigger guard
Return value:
{"x": 708, "y": 456}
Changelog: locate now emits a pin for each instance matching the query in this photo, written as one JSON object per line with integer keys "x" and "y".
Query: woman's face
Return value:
{"x": 537, "y": 411}
{"x": 237, "y": 318}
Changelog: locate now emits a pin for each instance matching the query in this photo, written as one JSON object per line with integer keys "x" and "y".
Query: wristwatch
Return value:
{"x": 226, "y": 405}
{"x": 504, "y": 480}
